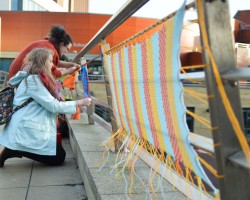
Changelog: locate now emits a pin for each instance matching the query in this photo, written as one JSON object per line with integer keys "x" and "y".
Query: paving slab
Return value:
{"x": 13, "y": 193}
{"x": 14, "y": 179}
{"x": 73, "y": 192}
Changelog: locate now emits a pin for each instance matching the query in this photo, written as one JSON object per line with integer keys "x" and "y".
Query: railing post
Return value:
{"x": 90, "y": 111}
{"x": 109, "y": 95}
{"x": 216, "y": 31}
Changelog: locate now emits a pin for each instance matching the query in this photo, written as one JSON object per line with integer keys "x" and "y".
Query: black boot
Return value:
{"x": 6, "y": 154}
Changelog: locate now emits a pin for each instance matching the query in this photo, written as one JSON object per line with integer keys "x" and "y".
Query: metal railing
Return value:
{"x": 115, "y": 21}
{"x": 230, "y": 160}
{"x": 3, "y": 78}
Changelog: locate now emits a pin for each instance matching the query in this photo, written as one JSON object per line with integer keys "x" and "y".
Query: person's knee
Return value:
{"x": 62, "y": 157}
{"x": 58, "y": 160}
{"x": 61, "y": 154}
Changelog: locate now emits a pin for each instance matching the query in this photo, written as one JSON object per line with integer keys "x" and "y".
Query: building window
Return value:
{"x": 103, "y": 112}
{"x": 16, "y": 5}
{"x": 95, "y": 70}
{"x": 29, "y": 5}
{"x": 5, "y": 63}
{"x": 246, "y": 119}
{"x": 190, "y": 119}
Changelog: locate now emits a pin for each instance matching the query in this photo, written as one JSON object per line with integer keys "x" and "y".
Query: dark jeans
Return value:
{"x": 58, "y": 159}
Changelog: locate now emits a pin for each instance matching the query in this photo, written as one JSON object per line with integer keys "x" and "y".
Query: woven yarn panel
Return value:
{"x": 147, "y": 94}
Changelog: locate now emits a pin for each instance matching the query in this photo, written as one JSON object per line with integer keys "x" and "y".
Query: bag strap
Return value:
{"x": 24, "y": 104}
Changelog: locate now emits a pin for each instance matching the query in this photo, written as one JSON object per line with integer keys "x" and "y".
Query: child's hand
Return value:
{"x": 65, "y": 71}
{"x": 84, "y": 102}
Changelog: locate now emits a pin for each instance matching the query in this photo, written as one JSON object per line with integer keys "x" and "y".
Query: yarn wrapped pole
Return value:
{"x": 85, "y": 81}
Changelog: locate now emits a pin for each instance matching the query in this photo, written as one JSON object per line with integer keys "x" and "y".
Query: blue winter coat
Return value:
{"x": 33, "y": 127}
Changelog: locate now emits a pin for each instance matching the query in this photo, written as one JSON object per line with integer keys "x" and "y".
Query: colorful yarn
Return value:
{"x": 85, "y": 81}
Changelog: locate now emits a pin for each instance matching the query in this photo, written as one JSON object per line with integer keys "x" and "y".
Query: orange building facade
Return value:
{"x": 18, "y": 29}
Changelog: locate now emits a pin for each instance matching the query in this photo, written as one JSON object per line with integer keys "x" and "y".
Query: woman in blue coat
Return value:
{"x": 31, "y": 132}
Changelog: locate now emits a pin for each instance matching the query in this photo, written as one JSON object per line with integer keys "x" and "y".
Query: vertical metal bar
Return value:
{"x": 70, "y": 5}
{"x": 109, "y": 94}
{"x": 233, "y": 180}
{"x": 90, "y": 111}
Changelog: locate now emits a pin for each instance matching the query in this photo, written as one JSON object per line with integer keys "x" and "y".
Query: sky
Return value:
{"x": 155, "y": 8}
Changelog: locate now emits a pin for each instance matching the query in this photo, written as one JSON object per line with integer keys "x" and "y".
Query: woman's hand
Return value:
{"x": 70, "y": 70}
{"x": 76, "y": 67}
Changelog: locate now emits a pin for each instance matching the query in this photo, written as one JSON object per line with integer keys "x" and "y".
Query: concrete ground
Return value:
{"x": 101, "y": 182}
{"x": 80, "y": 176}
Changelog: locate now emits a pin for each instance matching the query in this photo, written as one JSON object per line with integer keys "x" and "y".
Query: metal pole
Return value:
{"x": 109, "y": 95}
{"x": 234, "y": 176}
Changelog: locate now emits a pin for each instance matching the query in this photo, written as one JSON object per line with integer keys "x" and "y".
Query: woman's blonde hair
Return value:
{"x": 35, "y": 62}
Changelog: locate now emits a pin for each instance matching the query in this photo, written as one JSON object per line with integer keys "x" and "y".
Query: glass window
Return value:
{"x": 5, "y": 63}
{"x": 190, "y": 119}
{"x": 16, "y": 5}
{"x": 31, "y": 5}
{"x": 246, "y": 116}
{"x": 95, "y": 70}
